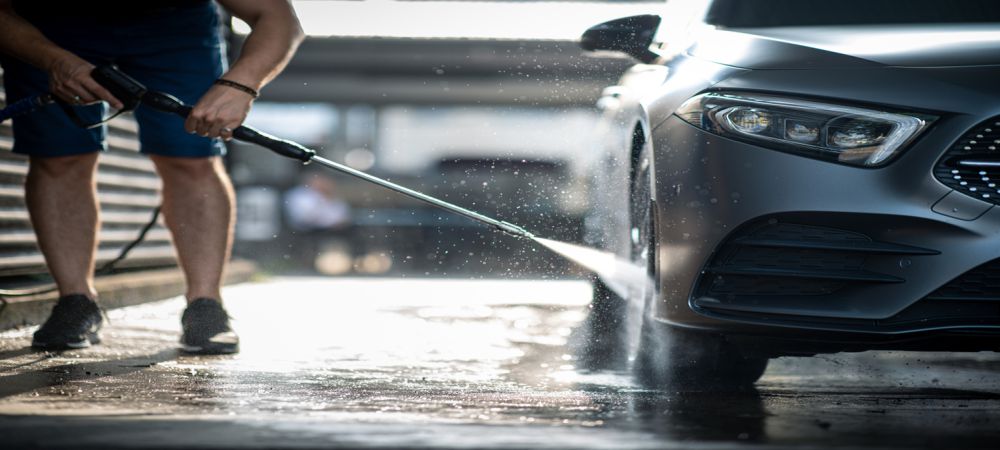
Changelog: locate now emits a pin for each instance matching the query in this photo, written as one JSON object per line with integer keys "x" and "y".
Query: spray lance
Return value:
{"x": 122, "y": 85}
{"x": 132, "y": 93}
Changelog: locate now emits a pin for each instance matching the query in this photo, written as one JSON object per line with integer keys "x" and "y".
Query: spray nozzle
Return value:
{"x": 514, "y": 230}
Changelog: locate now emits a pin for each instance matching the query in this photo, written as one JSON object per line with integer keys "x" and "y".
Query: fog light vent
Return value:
{"x": 787, "y": 259}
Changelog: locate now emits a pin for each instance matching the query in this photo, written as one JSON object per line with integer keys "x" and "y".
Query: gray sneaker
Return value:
{"x": 206, "y": 329}
{"x": 74, "y": 323}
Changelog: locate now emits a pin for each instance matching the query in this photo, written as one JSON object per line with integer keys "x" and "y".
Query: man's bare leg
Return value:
{"x": 198, "y": 205}
{"x": 61, "y": 195}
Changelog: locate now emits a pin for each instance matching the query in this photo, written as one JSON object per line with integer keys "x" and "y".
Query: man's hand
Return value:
{"x": 69, "y": 75}
{"x": 70, "y": 80}
{"x": 220, "y": 111}
{"x": 274, "y": 37}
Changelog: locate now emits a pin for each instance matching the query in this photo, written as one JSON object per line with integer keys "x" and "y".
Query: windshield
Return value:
{"x": 786, "y": 13}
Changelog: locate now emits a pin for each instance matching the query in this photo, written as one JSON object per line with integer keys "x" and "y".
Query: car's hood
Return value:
{"x": 852, "y": 46}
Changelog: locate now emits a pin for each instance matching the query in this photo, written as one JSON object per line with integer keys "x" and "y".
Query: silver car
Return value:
{"x": 798, "y": 177}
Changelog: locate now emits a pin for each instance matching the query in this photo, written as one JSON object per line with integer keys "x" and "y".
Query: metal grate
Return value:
{"x": 128, "y": 191}
{"x": 972, "y": 165}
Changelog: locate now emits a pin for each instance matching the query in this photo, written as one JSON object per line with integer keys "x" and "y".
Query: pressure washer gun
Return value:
{"x": 132, "y": 93}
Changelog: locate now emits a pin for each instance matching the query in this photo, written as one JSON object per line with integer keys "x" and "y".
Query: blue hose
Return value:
{"x": 24, "y": 106}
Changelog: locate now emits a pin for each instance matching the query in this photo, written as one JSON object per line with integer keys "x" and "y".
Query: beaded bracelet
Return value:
{"x": 242, "y": 87}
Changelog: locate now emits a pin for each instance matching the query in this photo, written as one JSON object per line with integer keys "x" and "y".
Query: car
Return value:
{"x": 796, "y": 178}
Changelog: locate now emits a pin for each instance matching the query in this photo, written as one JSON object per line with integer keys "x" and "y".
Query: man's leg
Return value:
{"x": 61, "y": 194}
{"x": 62, "y": 201}
{"x": 198, "y": 205}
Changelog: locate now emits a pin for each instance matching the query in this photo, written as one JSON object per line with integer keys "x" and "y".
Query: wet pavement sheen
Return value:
{"x": 397, "y": 363}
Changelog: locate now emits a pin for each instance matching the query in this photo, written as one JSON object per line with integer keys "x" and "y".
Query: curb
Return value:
{"x": 117, "y": 291}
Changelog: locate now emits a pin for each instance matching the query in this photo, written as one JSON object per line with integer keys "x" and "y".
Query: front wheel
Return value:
{"x": 675, "y": 358}
{"x": 668, "y": 356}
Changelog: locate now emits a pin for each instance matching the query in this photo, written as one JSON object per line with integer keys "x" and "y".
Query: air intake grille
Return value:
{"x": 972, "y": 165}
{"x": 786, "y": 259}
{"x": 979, "y": 284}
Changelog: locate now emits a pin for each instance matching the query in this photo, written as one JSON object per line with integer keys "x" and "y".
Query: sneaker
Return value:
{"x": 206, "y": 329}
{"x": 74, "y": 323}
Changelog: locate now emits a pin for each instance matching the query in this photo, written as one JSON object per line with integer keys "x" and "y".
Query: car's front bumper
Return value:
{"x": 714, "y": 194}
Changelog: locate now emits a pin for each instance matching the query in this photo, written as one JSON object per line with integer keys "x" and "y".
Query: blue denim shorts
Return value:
{"x": 178, "y": 51}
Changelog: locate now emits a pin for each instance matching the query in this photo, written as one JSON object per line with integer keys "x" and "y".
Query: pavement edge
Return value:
{"x": 117, "y": 291}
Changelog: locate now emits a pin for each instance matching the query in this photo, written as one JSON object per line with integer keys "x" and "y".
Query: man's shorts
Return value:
{"x": 178, "y": 51}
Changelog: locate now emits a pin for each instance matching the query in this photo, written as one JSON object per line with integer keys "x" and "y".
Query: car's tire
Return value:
{"x": 670, "y": 357}
{"x": 679, "y": 359}
{"x": 601, "y": 342}
{"x": 604, "y": 339}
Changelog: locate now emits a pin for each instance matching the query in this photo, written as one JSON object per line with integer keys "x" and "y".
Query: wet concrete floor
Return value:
{"x": 396, "y": 363}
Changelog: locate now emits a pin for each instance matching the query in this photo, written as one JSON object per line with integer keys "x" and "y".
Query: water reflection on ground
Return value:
{"x": 456, "y": 363}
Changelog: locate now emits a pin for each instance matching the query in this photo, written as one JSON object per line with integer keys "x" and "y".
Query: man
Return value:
{"x": 314, "y": 205}
{"x": 170, "y": 46}
{"x": 318, "y": 218}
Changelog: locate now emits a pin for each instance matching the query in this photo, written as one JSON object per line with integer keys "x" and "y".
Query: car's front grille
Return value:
{"x": 972, "y": 165}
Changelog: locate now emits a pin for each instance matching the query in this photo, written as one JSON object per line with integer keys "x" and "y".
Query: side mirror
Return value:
{"x": 630, "y": 35}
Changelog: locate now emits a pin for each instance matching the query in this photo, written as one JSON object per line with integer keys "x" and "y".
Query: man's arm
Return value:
{"x": 69, "y": 75}
{"x": 275, "y": 35}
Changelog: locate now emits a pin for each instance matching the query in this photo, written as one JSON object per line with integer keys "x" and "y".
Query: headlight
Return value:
{"x": 849, "y": 135}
